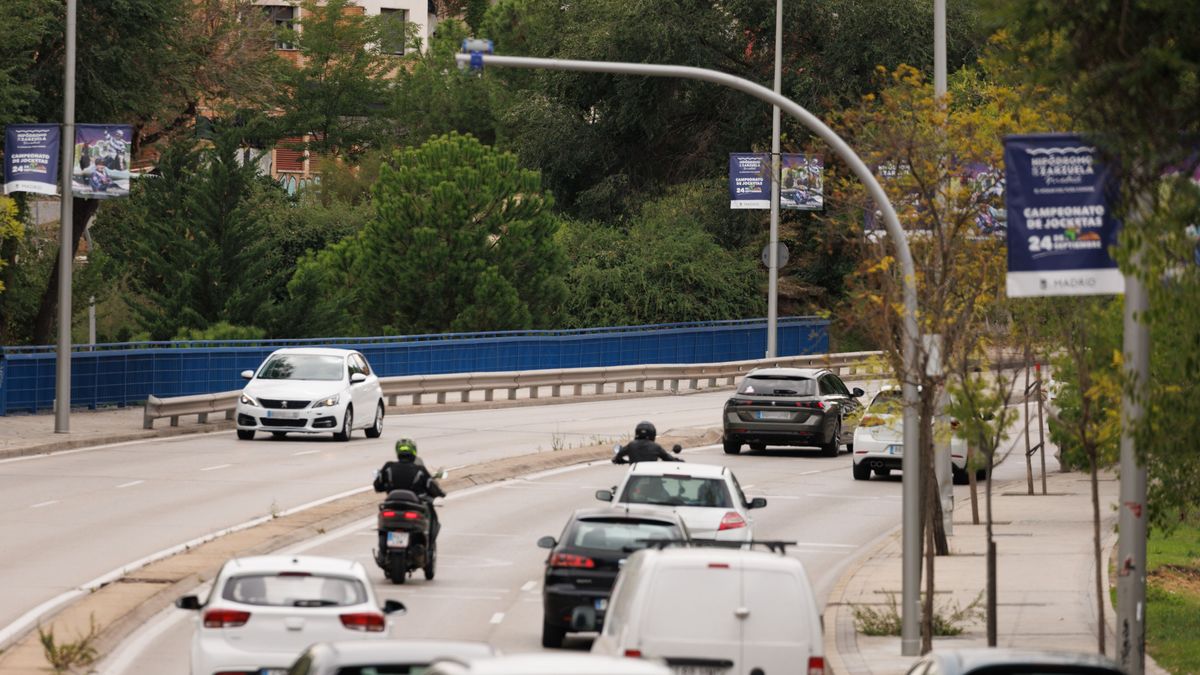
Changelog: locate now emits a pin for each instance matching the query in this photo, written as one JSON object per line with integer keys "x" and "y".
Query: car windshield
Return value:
{"x": 676, "y": 491}
{"x": 289, "y": 589}
{"x": 778, "y": 385}
{"x": 619, "y": 535}
{"x": 303, "y": 367}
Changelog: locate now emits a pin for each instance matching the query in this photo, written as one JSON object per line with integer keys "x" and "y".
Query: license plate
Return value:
{"x": 397, "y": 539}
{"x": 895, "y": 449}
{"x": 601, "y": 604}
{"x": 698, "y": 670}
{"x": 283, "y": 415}
{"x": 773, "y": 415}
{"x": 273, "y": 671}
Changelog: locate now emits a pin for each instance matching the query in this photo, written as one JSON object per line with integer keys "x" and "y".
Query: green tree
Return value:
{"x": 337, "y": 91}
{"x": 463, "y": 239}
{"x": 192, "y": 241}
{"x": 660, "y": 268}
{"x": 10, "y": 229}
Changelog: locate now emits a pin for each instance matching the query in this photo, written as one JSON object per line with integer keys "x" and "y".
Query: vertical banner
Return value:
{"x": 801, "y": 182}
{"x": 749, "y": 180}
{"x": 1060, "y": 224}
{"x": 101, "y": 169}
{"x": 31, "y": 153}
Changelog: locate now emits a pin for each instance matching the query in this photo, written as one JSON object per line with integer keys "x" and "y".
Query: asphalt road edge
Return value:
{"x": 121, "y": 606}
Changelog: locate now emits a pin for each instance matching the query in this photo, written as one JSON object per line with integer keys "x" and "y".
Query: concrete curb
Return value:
{"x": 120, "y": 607}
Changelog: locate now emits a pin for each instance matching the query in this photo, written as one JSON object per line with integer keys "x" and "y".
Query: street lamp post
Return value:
{"x": 910, "y": 466}
{"x": 773, "y": 253}
{"x": 66, "y": 254}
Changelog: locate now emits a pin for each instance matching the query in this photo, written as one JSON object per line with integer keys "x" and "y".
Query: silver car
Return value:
{"x": 1012, "y": 661}
{"x": 383, "y": 657}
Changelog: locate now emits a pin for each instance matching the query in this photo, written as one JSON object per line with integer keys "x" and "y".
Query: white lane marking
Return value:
{"x": 130, "y": 484}
{"x": 819, "y": 544}
{"x": 41, "y": 504}
{"x": 481, "y": 534}
{"x": 218, "y": 466}
{"x": 27, "y": 620}
{"x": 529, "y": 586}
{"x": 497, "y": 617}
{"x": 747, "y": 487}
{"x": 305, "y": 452}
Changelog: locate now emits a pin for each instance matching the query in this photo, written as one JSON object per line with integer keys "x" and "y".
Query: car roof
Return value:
{"x": 977, "y": 658}
{"x": 707, "y": 555}
{"x": 287, "y": 563}
{"x": 631, "y": 512}
{"x": 677, "y": 468}
{"x": 368, "y": 652}
{"x": 557, "y": 664}
{"x": 788, "y": 372}
{"x": 315, "y": 351}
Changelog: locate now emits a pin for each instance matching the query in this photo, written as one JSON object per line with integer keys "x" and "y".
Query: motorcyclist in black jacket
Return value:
{"x": 408, "y": 472}
{"x": 643, "y": 448}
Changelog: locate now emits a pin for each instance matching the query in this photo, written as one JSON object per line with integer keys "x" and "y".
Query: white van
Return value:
{"x": 715, "y": 611}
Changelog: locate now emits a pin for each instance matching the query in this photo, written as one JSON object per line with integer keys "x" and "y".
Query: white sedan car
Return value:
{"x": 706, "y": 496}
{"x": 879, "y": 440}
{"x": 264, "y": 610}
{"x": 311, "y": 390}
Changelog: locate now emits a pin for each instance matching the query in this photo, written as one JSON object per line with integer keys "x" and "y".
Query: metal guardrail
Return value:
{"x": 670, "y": 377}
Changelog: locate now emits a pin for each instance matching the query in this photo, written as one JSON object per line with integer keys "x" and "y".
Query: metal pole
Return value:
{"x": 772, "y": 253}
{"x": 939, "y": 47}
{"x": 910, "y": 642}
{"x": 66, "y": 255}
{"x": 1131, "y": 519}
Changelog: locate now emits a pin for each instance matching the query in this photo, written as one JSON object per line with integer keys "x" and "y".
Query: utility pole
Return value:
{"x": 773, "y": 253}
{"x": 66, "y": 255}
{"x": 1131, "y": 518}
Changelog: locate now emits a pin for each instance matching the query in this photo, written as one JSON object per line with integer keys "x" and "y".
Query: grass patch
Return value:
{"x": 1173, "y": 598}
{"x": 949, "y": 619}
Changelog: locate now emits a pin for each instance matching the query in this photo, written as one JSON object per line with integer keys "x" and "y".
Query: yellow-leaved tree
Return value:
{"x": 10, "y": 228}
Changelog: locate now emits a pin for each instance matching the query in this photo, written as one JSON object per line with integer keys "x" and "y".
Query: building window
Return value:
{"x": 393, "y": 29}
{"x": 284, "y": 18}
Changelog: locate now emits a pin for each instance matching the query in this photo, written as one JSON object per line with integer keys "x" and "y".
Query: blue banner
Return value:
{"x": 749, "y": 180}
{"x": 31, "y": 154}
{"x": 1060, "y": 223}
{"x": 102, "y": 154}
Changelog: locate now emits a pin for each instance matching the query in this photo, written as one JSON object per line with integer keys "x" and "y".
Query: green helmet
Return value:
{"x": 406, "y": 446}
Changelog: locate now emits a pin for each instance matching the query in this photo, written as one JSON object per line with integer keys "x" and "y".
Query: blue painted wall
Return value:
{"x": 126, "y": 373}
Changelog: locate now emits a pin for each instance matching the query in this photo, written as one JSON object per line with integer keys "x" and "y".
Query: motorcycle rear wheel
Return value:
{"x": 430, "y": 562}
{"x": 398, "y": 568}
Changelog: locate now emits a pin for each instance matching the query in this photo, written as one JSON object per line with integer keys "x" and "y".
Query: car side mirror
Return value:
{"x": 604, "y": 495}
{"x": 188, "y": 602}
{"x": 857, "y": 392}
{"x": 247, "y": 374}
{"x": 757, "y": 503}
{"x": 677, "y": 448}
{"x": 357, "y": 377}
{"x": 394, "y": 607}
{"x": 546, "y": 542}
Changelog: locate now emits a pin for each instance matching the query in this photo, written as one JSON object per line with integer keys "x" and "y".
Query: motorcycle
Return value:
{"x": 406, "y": 543}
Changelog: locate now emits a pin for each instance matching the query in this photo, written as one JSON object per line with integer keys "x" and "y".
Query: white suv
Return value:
{"x": 879, "y": 440}
{"x": 706, "y": 496}
{"x": 309, "y": 391}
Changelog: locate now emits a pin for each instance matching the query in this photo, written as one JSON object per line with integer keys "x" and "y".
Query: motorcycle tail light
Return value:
{"x": 225, "y": 618}
{"x": 388, "y": 514}
{"x": 411, "y": 515}
{"x": 367, "y": 622}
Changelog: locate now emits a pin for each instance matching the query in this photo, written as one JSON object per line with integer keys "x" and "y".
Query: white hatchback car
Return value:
{"x": 264, "y": 610}
{"x": 706, "y": 496}
{"x": 311, "y": 390}
{"x": 879, "y": 440}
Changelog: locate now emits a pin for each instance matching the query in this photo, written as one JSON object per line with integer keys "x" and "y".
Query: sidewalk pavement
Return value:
{"x": 23, "y": 434}
{"x": 1045, "y": 569}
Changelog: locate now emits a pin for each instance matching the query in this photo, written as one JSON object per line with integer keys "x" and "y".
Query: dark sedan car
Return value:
{"x": 583, "y": 563}
{"x": 791, "y": 406}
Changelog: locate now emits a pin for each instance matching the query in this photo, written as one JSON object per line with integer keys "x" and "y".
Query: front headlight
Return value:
{"x": 326, "y": 402}
{"x": 247, "y": 400}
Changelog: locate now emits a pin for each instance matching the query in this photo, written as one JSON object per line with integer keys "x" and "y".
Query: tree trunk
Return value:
{"x": 1028, "y": 446}
{"x": 927, "y": 601}
{"x": 973, "y": 483}
{"x": 1101, "y": 596}
{"x": 991, "y": 559}
{"x": 43, "y": 326}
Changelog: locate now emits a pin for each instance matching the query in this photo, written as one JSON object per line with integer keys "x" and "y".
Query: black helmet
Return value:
{"x": 645, "y": 431}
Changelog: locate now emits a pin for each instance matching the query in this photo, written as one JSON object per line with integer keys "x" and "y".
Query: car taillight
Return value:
{"x": 225, "y": 618}
{"x": 816, "y": 665}
{"x": 732, "y": 521}
{"x": 368, "y": 622}
{"x": 633, "y": 653}
{"x": 571, "y": 560}
{"x": 812, "y": 405}
{"x": 718, "y": 566}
